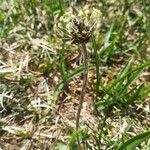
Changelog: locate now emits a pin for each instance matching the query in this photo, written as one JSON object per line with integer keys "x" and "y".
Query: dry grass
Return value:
{"x": 38, "y": 101}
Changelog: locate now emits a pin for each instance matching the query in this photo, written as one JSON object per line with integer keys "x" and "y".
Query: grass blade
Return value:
{"x": 132, "y": 143}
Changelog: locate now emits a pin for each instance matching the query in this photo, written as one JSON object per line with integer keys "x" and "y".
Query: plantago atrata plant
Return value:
{"x": 80, "y": 35}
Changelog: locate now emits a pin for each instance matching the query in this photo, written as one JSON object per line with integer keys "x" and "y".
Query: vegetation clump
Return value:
{"x": 74, "y": 75}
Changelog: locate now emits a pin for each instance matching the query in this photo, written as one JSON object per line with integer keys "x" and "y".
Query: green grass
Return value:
{"x": 41, "y": 76}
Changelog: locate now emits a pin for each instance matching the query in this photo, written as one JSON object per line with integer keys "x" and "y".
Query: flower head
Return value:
{"x": 77, "y": 27}
{"x": 81, "y": 32}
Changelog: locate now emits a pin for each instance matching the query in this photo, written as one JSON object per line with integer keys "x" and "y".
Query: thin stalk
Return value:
{"x": 85, "y": 82}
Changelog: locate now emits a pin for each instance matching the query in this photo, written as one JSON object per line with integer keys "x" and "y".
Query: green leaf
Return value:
{"x": 126, "y": 69}
{"x": 122, "y": 75}
{"x": 132, "y": 75}
{"x": 135, "y": 94}
{"x": 62, "y": 63}
{"x": 74, "y": 137}
{"x": 108, "y": 35}
{"x": 132, "y": 143}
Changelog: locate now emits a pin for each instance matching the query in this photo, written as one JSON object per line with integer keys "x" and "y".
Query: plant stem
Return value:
{"x": 85, "y": 81}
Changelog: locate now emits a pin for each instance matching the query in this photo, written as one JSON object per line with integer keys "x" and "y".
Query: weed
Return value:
{"x": 46, "y": 47}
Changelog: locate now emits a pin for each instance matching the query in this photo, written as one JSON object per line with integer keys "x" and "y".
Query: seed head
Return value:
{"x": 80, "y": 32}
{"x": 77, "y": 25}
